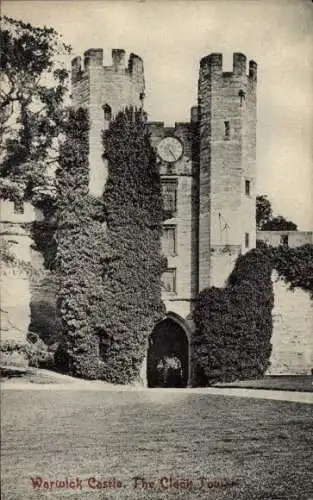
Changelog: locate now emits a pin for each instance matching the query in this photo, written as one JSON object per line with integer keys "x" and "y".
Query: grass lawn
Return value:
{"x": 300, "y": 383}
{"x": 245, "y": 449}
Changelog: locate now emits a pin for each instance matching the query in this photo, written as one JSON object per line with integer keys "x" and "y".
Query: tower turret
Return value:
{"x": 227, "y": 129}
{"x": 105, "y": 90}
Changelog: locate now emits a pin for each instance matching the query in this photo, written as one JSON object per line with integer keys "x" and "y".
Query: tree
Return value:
{"x": 33, "y": 88}
{"x": 265, "y": 220}
{"x": 279, "y": 223}
{"x": 263, "y": 211}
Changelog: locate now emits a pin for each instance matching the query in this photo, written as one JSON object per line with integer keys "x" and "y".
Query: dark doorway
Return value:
{"x": 167, "y": 360}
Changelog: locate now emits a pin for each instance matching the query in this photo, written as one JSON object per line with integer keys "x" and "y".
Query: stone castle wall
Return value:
{"x": 16, "y": 279}
{"x": 227, "y": 107}
{"x": 292, "y": 339}
{"x": 294, "y": 238}
{"x": 214, "y": 211}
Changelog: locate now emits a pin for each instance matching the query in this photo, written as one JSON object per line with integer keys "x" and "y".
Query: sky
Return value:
{"x": 173, "y": 35}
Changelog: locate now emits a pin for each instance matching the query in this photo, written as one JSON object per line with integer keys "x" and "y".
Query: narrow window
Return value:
{"x": 169, "y": 241}
{"x": 169, "y": 280}
{"x": 284, "y": 240}
{"x": 107, "y": 112}
{"x": 169, "y": 193}
{"x": 247, "y": 188}
{"x": 227, "y": 130}
{"x": 242, "y": 96}
{"x": 247, "y": 240}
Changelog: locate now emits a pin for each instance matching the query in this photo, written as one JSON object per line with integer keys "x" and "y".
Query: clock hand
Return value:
{"x": 173, "y": 155}
{"x": 169, "y": 151}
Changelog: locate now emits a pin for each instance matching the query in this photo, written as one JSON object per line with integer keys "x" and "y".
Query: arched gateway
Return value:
{"x": 168, "y": 353}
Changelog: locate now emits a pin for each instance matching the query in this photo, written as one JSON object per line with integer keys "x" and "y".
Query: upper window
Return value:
{"x": 247, "y": 187}
{"x": 107, "y": 112}
{"x": 169, "y": 193}
{"x": 242, "y": 96}
{"x": 226, "y": 130}
{"x": 169, "y": 240}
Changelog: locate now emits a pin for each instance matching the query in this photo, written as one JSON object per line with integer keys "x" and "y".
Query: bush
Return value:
{"x": 13, "y": 354}
{"x": 38, "y": 353}
{"x": 234, "y": 324}
{"x": 24, "y": 354}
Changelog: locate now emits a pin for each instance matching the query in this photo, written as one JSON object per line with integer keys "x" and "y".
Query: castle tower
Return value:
{"x": 227, "y": 170}
{"x": 105, "y": 90}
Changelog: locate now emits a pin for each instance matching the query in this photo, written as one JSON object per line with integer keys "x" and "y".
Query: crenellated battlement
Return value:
{"x": 212, "y": 66}
{"x": 93, "y": 58}
{"x": 105, "y": 91}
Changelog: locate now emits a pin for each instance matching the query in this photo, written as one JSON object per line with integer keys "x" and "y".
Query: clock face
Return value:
{"x": 170, "y": 149}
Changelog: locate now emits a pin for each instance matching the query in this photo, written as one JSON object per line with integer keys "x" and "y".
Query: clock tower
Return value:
{"x": 208, "y": 171}
{"x": 176, "y": 154}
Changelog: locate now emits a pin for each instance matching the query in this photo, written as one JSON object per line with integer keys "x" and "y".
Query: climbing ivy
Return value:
{"x": 81, "y": 255}
{"x": 134, "y": 224}
{"x": 294, "y": 266}
{"x": 108, "y": 251}
{"x": 234, "y": 324}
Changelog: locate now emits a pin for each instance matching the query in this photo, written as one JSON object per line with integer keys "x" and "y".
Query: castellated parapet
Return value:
{"x": 104, "y": 91}
{"x": 227, "y": 128}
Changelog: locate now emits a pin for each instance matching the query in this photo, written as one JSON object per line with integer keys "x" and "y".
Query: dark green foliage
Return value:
{"x": 264, "y": 211}
{"x": 279, "y": 223}
{"x": 43, "y": 317}
{"x": 26, "y": 353}
{"x": 134, "y": 217}
{"x": 108, "y": 252}
{"x": 80, "y": 260}
{"x": 234, "y": 324}
{"x": 294, "y": 266}
{"x": 43, "y": 321}
{"x": 43, "y": 235}
{"x": 265, "y": 220}
{"x": 31, "y": 116}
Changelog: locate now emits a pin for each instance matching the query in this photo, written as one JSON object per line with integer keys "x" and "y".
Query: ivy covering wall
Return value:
{"x": 234, "y": 324}
{"x": 108, "y": 252}
{"x": 81, "y": 255}
{"x": 134, "y": 225}
{"x": 294, "y": 266}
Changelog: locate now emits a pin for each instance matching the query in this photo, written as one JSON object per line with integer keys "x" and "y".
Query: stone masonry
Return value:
{"x": 211, "y": 185}
{"x": 214, "y": 179}
{"x": 227, "y": 121}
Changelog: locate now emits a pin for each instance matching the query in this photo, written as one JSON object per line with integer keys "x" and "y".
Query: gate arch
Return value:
{"x": 168, "y": 353}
